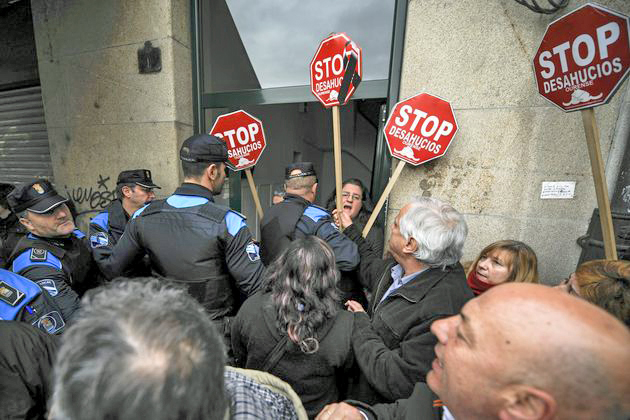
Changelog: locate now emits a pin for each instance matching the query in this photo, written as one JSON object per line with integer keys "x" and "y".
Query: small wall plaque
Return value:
{"x": 149, "y": 59}
{"x": 557, "y": 190}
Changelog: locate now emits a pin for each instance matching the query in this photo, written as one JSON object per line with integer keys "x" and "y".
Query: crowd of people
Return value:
{"x": 168, "y": 308}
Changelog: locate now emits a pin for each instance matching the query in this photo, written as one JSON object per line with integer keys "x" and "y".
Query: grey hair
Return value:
{"x": 303, "y": 285}
{"x": 439, "y": 229}
{"x": 140, "y": 349}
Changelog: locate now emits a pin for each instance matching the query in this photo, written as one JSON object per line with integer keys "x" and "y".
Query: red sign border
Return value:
{"x": 262, "y": 129}
{"x": 319, "y": 47}
{"x": 405, "y": 100}
{"x": 619, "y": 83}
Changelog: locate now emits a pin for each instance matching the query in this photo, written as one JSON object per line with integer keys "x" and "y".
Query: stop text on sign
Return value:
{"x": 335, "y": 70}
{"x": 420, "y": 128}
{"x": 243, "y": 136}
{"x": 241, "y": 140}
{"x": 430, "y": 129}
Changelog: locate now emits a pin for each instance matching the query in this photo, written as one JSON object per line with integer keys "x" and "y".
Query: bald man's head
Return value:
{"x": 525, "y": 349}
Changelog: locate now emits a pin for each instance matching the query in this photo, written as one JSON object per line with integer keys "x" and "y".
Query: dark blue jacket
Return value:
{"x": 295, "y": 218}
{"x": 105, "y": 230}
{"x": 61, "y": 266}
{"x": 191, "y": 240}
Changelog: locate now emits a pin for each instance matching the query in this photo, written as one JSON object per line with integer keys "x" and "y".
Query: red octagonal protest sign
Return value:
{"x": 420, "y": 128}
{"x": 244, "y": 137}
{"x": 336, "y": 70}
{"x": 583, "y": 57}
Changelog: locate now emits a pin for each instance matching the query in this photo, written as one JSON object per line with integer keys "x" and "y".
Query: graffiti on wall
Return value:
{"x": 88, "y": 199}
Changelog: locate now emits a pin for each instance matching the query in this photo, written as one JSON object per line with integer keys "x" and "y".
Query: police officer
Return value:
{"x": 134, "y": 189}
{"x": 24, "y": 300}
{"x": 11, "y": 230}
{"x": 54, "y": 253}
{"x": 296, "y": 217}
{"x": 191, "y": 239}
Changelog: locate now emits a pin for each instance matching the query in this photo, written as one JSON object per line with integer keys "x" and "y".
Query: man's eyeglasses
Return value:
{"x": 354, "y": 196}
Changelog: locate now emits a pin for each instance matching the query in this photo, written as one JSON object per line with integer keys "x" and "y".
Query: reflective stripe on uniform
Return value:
{"x": 101, "y": 220}
{"x": 315, "y": 213}
{"x": 24, "y": 261}
{"x": 234, "y": 222}
{"x": 184, "y": 201}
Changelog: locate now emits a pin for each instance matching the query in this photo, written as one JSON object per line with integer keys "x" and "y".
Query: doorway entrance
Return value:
{"x": 255, "y": 56}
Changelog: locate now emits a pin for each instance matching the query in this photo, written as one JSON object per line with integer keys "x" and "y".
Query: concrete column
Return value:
{"x": 102, "y": 115}
{"x": 478, "y": 55}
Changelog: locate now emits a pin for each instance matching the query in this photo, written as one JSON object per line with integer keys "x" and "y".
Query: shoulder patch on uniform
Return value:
{"x": 10, "y": 295}
{"x": 234, "y": 222}
{"x": 101, "y": 220}
{"x": 315, "y": 213}
{"x": 99, "y": 240}
{"x": 49, "y": 286}
{"x": 139, "y": 211}
{"x": 51, "y": 323}
{"x": 253, "y": 251}
{"x": 38, "y": 255}
{"x": 78, "y": 234}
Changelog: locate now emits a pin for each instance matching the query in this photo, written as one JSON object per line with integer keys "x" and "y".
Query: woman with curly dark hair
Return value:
{"x": 356, "y": 203}
{"x": 295, "y": 329}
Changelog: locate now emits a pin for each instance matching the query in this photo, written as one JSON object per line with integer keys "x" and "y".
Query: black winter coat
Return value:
{"x": 26, "y": 361}
{"x": 314, "y": 377}
{"x": 394, "y": 345}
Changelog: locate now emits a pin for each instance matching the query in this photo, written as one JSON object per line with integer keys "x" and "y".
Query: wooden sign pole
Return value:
{"x": 337, "y": 154}
{"x": 252, "y": 187}
{"x": 597, "y": 165}
{"x": 381, "y": 201}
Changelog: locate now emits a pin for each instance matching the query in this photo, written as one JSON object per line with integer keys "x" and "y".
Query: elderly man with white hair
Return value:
{"x": 422, "y": 281}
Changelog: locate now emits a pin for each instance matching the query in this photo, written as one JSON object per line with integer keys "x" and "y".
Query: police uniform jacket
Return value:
{"x": 24, "y": 300}
{"x": 394, "y": 346}
{"x": 192, "y": 240}
{"x": 105, "y": 230}
{"x": 296, "y": 218}
{"x": 61, "y": 266}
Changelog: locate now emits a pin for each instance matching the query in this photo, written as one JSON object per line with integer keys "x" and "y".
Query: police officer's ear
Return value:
{"x": 212, "y": 171}
{"x": 25, "y": 221}
{"x": 314, "y": 188}
{"x": 126, "y": 191}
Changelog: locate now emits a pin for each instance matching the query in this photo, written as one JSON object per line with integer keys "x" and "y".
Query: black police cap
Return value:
{"x": 203, "y": 148}
{"x": 140, "y": 177}
{"x": 305, "y": 168}
{"x": 37, "y": 196}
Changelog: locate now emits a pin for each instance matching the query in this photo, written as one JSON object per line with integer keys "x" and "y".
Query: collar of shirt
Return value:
{"x": 398, "y": 281}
